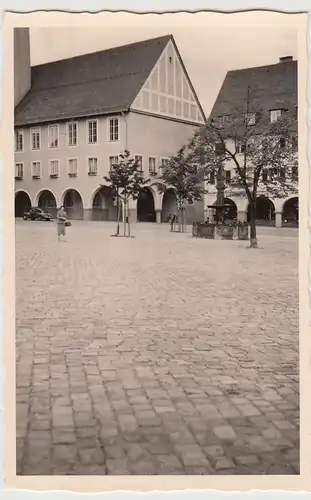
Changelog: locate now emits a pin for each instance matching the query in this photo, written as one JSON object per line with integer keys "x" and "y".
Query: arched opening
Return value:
{"x": 145, "y": 206}
{"x": 231, "y": 211}
{"x": 22, "y": 203}
{"x": 290, "y": 215}
{"x": 104, "y": 207}
{"x": 169, "y": 204}
{"x": 265, "y": 212}
{"x": 73, "y": 204}
{"x": 47, "y": 201}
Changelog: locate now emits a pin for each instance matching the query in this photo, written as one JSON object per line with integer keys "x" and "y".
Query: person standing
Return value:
{"x": 61, "y": 222}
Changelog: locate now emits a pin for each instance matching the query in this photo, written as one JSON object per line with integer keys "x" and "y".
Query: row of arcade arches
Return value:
{"x": 104, "y": 207}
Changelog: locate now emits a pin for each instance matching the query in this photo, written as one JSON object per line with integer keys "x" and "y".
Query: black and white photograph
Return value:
{"x": 156, "y": 205}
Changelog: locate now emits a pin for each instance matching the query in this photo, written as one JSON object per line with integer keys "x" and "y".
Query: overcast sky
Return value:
{"x": 210, "y": 44}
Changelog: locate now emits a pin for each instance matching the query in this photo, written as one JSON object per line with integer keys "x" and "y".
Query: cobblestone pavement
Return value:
{"x": 160, "y": 354}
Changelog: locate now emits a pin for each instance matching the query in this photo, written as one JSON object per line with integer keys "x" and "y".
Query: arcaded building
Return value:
{"x": 275, "y": 90}
{"x": 73, "y": 117}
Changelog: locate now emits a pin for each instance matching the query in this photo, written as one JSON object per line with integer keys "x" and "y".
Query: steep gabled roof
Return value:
{"x": 99, "y": 83}
{"x": 274, "y": 87}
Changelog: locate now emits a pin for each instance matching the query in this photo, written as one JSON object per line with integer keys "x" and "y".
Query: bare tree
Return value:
{"x": 262, "y": 153}
{"x": 125, "y": 180}
{"x": 187, "y": 179}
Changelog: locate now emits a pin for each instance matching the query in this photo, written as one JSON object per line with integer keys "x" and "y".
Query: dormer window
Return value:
{"x": 275, "y": 114}
{"x": 250, "y": 118}
{"x": 223, "y": 120}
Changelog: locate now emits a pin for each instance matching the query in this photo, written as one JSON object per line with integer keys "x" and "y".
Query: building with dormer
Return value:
{"x": 275, "y": 92}
{"x": 74, "y": 116}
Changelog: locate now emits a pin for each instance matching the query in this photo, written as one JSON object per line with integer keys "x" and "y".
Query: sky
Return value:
{"x": 210, "y": 44}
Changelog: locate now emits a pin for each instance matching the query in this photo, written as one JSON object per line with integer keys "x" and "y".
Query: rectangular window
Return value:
{"x": 139, "y": 160}
{"x": 35, "y": 138}
{"x": 163, "y": 163}
{"x": 113, "y": 160}
{"x": 212, "y": 177}
{"x": 72, "y": 134}
{"x": 19, "y": 171}
{"x": 54, "y": 169}
{"x": 19, "y": 140}
{"x": 152, "y": 165}
{"x": 296, "y": 113}
{"x": 113, "y": 129}
{"x": 240, "y": 148}
{"x": 92, "y": 166}
{"x": 219, "y": 148}
{"x": 275, "y": 114}
{"x": 228, "y": 176}
{"x": 223, "y": 120}
{"x": 294, "y": 142}
{"x": 36, "y": 170}
{"x": 295, "y": 173}
{"x": 250, "y": 118}
{"x": 282, "y": 142}
{"x": 92, "y": 131}
{"x": 264, "y": 176}
{"x": 282, "y": 174}
{"x": 53, "y": 136}
{"x": 73, "y": 167}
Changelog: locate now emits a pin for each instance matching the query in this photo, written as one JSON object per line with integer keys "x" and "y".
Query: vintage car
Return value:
{"x": 37, "y": 214}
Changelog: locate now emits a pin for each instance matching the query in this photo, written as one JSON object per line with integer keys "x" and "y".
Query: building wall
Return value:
{"x": 22, "y": 69}
{"x": 86, "y": 185}
{"x": 241, "y": 201}
{"x": 141, "y": 134}
{"x": 160, "y": 138}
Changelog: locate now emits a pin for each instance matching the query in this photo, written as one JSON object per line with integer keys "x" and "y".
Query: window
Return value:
{"x": 212, "y": 177}
{"x": 139, "y": 160}
{"x": 152, "y": 165}
{"x": 223, "y": 120}
{"x": 53, "y": 136}
{"x": 92, "y": 166}
{"x": 19, "y": 140}
{"x": 264, "y": 175}
{"x": 163, "y": 163}
{"x": 92, "y": 131}
{"x": 72, "y": 134}
{"x": 35, "y": 138}
{"x": 250, "y": 118}
{"x": 219, "y": 148}
{"x": 228, "y": 176}
{"x": 275, "y": 114}
{"x": 36, "y": 170}
{"x": 240, "y": 148}
{"x": 54, "y": 169}
{"x": 113, "y": 160}
{"x": 19, "y": 171}
{"x": 282, "y": 142}
{"x": 113, "y": 129}
{"x": 295, "y": 173}
{"x": 73, "y": 167}
{"x": 294, "y": 142}
{"x": 296, "y": 113}
{"x": 282, "y": 174}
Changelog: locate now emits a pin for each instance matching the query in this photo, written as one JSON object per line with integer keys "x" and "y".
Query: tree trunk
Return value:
{"x": 118, "y": 214}
{"x": 124, "y": 216}
{"x": 253, "y": 233}
{"x": 183, "y": 219}
{"x": 128, "y": 222}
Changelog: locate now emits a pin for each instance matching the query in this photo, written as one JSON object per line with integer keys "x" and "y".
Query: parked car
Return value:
{"x": 37, "y": 214}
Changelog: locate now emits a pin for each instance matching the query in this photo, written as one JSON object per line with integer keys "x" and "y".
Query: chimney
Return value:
{"x": 22, "y": 68}
{"x": 286, "y": 59}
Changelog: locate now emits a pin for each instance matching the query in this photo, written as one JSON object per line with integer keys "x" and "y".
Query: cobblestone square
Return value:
{"x": 159, "y": 354}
